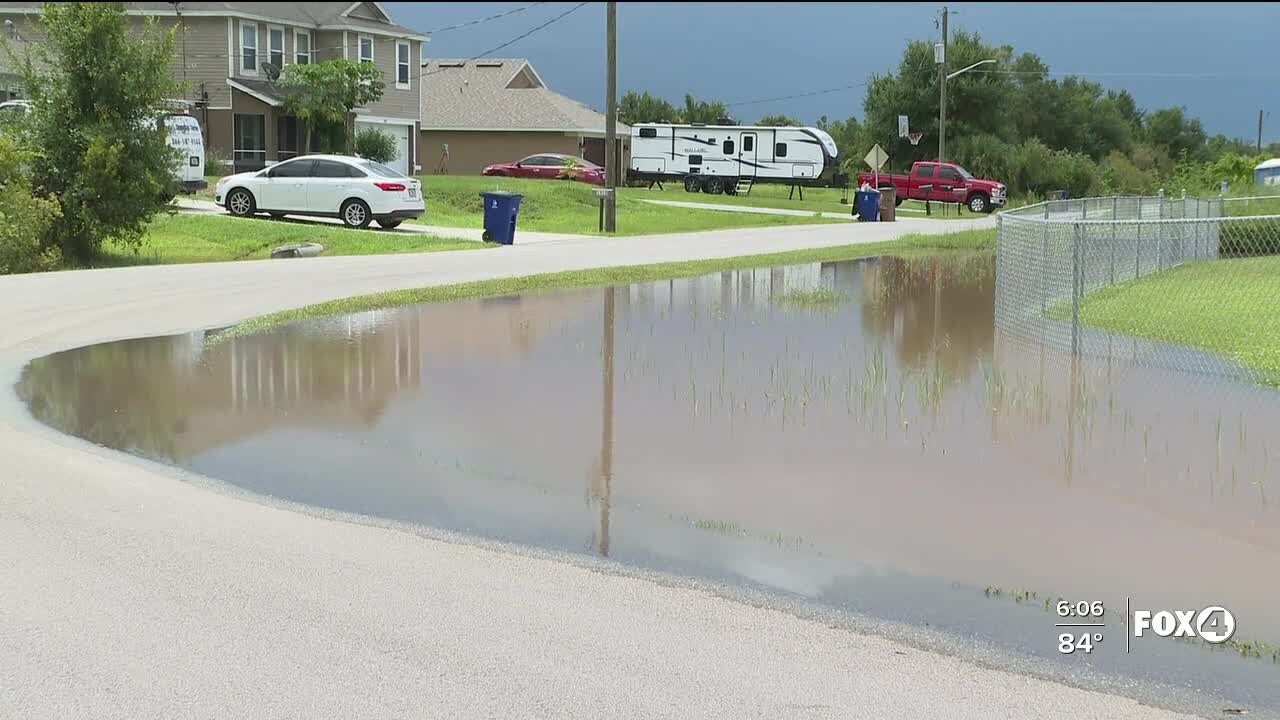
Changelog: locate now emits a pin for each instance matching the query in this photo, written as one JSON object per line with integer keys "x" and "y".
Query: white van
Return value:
{"x": 185, "y": 135}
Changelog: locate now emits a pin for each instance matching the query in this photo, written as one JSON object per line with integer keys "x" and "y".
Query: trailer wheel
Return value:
{"x": 691, "y": 183}
{"x": 713, "y": 185}
{"x": 731, "y": 186}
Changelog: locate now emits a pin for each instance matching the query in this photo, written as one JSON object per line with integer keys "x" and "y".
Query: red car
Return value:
{"x": 551, "y": 166}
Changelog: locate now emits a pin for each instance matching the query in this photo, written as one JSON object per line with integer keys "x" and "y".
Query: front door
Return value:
{"x": 950, "y": 187}
{"x": 747, "y": 154}
{"x": 285, "y": 188}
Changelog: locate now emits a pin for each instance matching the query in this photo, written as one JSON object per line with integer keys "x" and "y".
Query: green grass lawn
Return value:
{"x": 570, "y": 207}
{"x": 770, "y": 195}
{"x": 1230, "y": 307}
{"x": 211, "y": 238}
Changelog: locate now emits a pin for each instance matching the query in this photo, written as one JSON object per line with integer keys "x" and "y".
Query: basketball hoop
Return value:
{"x": 914, "y": 138}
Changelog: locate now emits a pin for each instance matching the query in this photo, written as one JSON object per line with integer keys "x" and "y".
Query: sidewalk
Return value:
{"x": 524, "y": 237}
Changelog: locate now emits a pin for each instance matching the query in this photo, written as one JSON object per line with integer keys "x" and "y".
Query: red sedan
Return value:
{"x": 552, "y": 167}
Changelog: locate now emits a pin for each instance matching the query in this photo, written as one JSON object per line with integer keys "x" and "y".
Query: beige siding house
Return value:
{"x": 480, "y": 112}
{"x": 227, "y": 53}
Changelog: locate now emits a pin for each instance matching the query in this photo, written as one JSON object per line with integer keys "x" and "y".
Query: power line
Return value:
{"x": 799, "y": 95}
{"x": 512, "y": 41}
{"x": 1129, "y": 74}
{"x": 484, "y": 19}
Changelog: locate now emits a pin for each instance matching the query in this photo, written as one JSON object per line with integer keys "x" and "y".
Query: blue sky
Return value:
{"x": 750, "y": 51}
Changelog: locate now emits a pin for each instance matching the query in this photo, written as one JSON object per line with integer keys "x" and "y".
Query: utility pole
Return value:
{"x": 1259, "y": 132}
{"x": 942, "y": 99}
{"x": 611, "y": 122}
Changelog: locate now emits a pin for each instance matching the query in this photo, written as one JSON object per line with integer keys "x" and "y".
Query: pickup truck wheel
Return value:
{"x": 713, "y": 185}
{"x": 691, "y": 183}
{"x": 978, "y": 203}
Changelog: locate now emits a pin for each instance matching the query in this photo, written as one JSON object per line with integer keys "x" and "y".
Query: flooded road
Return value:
{"x": 855, "y": 434}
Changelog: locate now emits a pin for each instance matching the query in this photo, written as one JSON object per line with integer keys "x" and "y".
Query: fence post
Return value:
{"x": 1114, "y": 223}
{"x": 1077, "y": 286}
{"x": 1137, "y": 252}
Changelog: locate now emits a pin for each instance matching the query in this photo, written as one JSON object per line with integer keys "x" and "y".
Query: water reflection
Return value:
{"x": 874, "y": 454}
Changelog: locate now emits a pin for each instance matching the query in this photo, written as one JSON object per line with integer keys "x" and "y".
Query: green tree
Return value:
{"x": 701, "y": 111}
{"x": 779, "y": 120}
{"x": 322, "y": 95}
{"x": 98, "y": 92}
{"x": 1183, "y": 137}
{"x": 641, "y": 107}
{"x": 24, "y": 218}
{"x": 375, "y": 145}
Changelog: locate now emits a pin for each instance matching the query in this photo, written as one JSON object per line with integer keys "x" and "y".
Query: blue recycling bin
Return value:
{"x": 867, "y": 204}
{"x": 500, "y": 211}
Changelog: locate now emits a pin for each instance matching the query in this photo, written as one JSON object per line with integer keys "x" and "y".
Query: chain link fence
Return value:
{"x": 1162, "y": 282}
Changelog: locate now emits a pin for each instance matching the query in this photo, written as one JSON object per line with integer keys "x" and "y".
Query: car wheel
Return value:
{"x": 240, "y": 202}
{"x": 978, "y": 203}
{"x": 692, "y": 183}
{"x": 389, "y": 224}
{"x": 355, "y": 214}
{"x": 713, "y": 185}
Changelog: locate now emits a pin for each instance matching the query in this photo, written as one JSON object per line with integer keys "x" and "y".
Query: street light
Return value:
{"x": 940, "y": 58}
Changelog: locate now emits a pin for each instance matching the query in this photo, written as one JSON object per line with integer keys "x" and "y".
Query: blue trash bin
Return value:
{"x": 500, "y": 211}
{"x": 867, "y": 205}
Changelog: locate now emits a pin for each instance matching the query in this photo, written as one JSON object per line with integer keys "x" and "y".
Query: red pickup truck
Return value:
{"x": 941, "y": 182}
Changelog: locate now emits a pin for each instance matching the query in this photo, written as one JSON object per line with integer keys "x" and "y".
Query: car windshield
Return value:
{"x": 380, "y": 169}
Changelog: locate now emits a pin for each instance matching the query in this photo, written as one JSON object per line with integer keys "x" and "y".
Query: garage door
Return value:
{"x": 402, "y": 161}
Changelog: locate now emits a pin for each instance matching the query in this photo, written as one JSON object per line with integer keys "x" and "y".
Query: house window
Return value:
{"x": 402, "y": 65}
{"x": 366, "y": 49}
{"x": 291, "y": 135}
{"x": 275, "y": 46}
{"x": 728, "y": 147}
{"x": 251, "y": 141}
{"x": 249, "y": 48}
{"x": 779, "y": 149}
{"x": 302, "y": 47}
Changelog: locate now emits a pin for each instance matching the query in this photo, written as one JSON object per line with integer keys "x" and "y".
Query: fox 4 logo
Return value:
{"x": 1215, "y": 625}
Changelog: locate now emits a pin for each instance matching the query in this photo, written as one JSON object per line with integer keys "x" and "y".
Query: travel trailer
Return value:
{"x": 722, "y": 158}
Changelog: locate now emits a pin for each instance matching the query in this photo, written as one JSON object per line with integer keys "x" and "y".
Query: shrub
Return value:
{"x": 24, "y": 218}
{"x": 1247, "y": 238}
{"x": 375, "y": 145}
{"x": 97, "y": 90}
{"x": 217, "y": 162}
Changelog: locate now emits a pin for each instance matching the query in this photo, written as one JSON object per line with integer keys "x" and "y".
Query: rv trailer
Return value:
{"x": 715, "y": 158}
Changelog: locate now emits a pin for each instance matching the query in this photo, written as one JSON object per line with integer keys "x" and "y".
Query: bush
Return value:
{"x": 97, "y": 90}
{"x": 375, "y": 145}
{"x": 1030, "y": 167}
{"x": 24, "y": 218}
{"x": 1247, "y": 238}
{"x": 217, "y": 162}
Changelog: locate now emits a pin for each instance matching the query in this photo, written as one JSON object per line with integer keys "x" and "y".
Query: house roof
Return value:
{"x": 499, "y": 94}
{"x": 325, "y": 15}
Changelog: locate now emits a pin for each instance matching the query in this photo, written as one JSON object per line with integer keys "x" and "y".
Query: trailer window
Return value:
{"x": 748, "y": 143}
{"x": 695, "y": 159}
{"x": 779, "y": 149}
{"x": 728, "y": 147}
{"x": 648, "y": 132}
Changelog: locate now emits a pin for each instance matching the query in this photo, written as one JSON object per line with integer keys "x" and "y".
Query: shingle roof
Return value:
{"x": 312, "y": 14}
{"x": 478, "y": 94}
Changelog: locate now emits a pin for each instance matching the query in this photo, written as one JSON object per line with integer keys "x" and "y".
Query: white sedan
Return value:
{"x": 352, "y": 189}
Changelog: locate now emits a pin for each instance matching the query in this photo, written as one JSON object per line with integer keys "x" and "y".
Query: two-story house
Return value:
{"x": 228, "y": 54}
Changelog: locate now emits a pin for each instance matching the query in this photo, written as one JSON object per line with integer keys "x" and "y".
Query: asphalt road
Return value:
{"x": 130, "y": 591}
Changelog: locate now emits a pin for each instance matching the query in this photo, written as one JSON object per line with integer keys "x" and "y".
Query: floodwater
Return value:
{"x": 877, "y": 449}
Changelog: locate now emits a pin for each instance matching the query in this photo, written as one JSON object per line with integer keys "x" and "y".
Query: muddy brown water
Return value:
{"x": 853, "y": 434}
